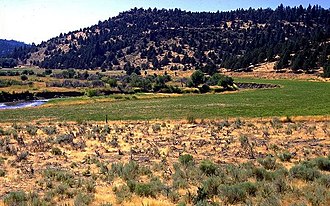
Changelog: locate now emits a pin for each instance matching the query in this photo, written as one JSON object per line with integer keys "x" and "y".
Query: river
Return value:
{"x": 22, "y": 104}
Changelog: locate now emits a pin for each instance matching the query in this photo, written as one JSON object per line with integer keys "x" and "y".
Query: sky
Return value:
{"x": 33, "y": 21}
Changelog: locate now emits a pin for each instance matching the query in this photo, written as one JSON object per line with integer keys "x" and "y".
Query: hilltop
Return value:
{"x": 293, "y": 37}
{"x": 8, "y": 46}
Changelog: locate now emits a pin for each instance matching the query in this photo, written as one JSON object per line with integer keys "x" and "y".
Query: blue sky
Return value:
{"x": 39, "y": 20}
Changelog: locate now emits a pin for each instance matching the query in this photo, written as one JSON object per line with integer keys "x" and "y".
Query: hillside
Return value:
{"x": 294, "y": 37}
{"x": 8, "y": 46}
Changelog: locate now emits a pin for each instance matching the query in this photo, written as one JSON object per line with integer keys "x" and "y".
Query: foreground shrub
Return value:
{"x": 211, "y": 185}
{"x": 285, "y": 156}
{"x": 325, "y": 181}
{"x": 233, "y": 194}
{"x": 83, "y": 199}
{"x": 186, "y": 159}
{"x": 208, "y": 167}
{"x": 122, "y": 193}
{"x": 269, "y": 163}
{"x": 304, "y": 172}
{"x": 144, "y": 190}
{"x": 15, "y": 198}
{"x": 322, "y": 163}
{"x": 271, "y": 201}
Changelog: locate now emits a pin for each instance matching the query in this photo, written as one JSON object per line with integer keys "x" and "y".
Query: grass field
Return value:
{"x": 294, "y": 98}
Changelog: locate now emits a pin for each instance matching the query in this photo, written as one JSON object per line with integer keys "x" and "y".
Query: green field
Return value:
{"x": 294, "y": 98}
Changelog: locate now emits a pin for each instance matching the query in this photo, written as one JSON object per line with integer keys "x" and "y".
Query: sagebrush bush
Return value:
{"x": 49, "y": 130}
{"x": 15, "y": 198}
{"x": 232, "y": 194}
{"x": 208, "y": 167}
{"x": 122, "y": 193}
{"x": 83, "y": 199}
{"x": 269, "y": 163}
{"x": 56, "y": 151}
{"x": 144, "y": 190}
{"x": 211, "y": 185}
{"x": 322, "y": 163}
{"x": 285, "y": 156}
{"x": 262, "y": 174}
{"x": 305, "y": 173}
{"x": 2, "y": 173}
{"x": 325, "y": 181}
{"x": 186, "y": 159}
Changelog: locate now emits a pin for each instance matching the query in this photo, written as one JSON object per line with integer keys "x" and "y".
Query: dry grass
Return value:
{"x": 149, "y": 142}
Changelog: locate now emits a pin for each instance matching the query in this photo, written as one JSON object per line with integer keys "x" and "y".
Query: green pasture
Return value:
{"x": 293, "y": 98}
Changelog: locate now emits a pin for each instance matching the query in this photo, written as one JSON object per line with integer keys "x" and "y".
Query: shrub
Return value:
{"x": 61, "y": 189}
{"x": 49, "y": 130}
{"x": 173, "y": 196}
{"x": 56, "y": 151}
{"x": 129, "y": 171}
{"x": 201, "y": 196}
{"x": 238, "y": 123}
{"x": 83, "y": 199}
{"x": 197, "y": 78}
{"x": 236, "y": 173}
{"x": 262, "y": 174}
{"x": 122, "y": 193}
{"x": 316, "y": 195}
{"x": 31, "y": 130}
{"x": 280, "y": 185}
{"x": 48, "y": 71}
{"x": 186, "y": 159}
{"x": 322, "y": 163}
{"x": 92, "y": 93}
{"x": 208, "y": 167}
{"x": 24, "y": 77}
{"x": 59, "y": 175}
{"x": 249, "y": 187}
{"x": 90, "y": 186}
{"x": 285, "y": 156}
{"x": 271, "y": 200}
{"x": 211, "y": 185}
{"x": 326, "y": 71}
{"x": 156, "y": 127}
{"x": 276, "y": 123}
{"x": 325, "y": 181}
{"x": 269, "y": 163}
{"x": 15, "y": 198}
{"x": 204, "y": 89}
{"x": 305, "y": 173}
{"x": 191, "y": 119}
{"x": 233, "y": 194}
{"x": 64, "y": 138}
{"x": 179, "y": 177}
{"x": 22, "y": 156}
{"x": 2, "y": 173}
{"x": 112, "y": 82}
{"x": 144, "y": 190}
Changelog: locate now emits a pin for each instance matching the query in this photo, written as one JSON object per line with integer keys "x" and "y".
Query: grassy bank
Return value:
{"x": 294, "y": 98}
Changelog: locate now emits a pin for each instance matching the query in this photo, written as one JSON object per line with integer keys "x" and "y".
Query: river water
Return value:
{"x": 22, "y": 104}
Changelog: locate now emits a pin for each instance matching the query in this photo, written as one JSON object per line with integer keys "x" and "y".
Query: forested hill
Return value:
{"x": 295, "y": 37}
{"x": 8, "y": 46}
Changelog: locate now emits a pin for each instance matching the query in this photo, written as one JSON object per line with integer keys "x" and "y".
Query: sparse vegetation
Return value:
{"x": 70, "y": 172}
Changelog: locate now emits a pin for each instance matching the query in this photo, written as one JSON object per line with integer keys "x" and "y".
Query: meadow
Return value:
{"x": 293, "y": 98}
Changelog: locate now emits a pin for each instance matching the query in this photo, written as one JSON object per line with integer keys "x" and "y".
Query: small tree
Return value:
{"x": 197, "y": 78}
{"x": 326, "y": 70}
{"x": 24, "y": 78}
